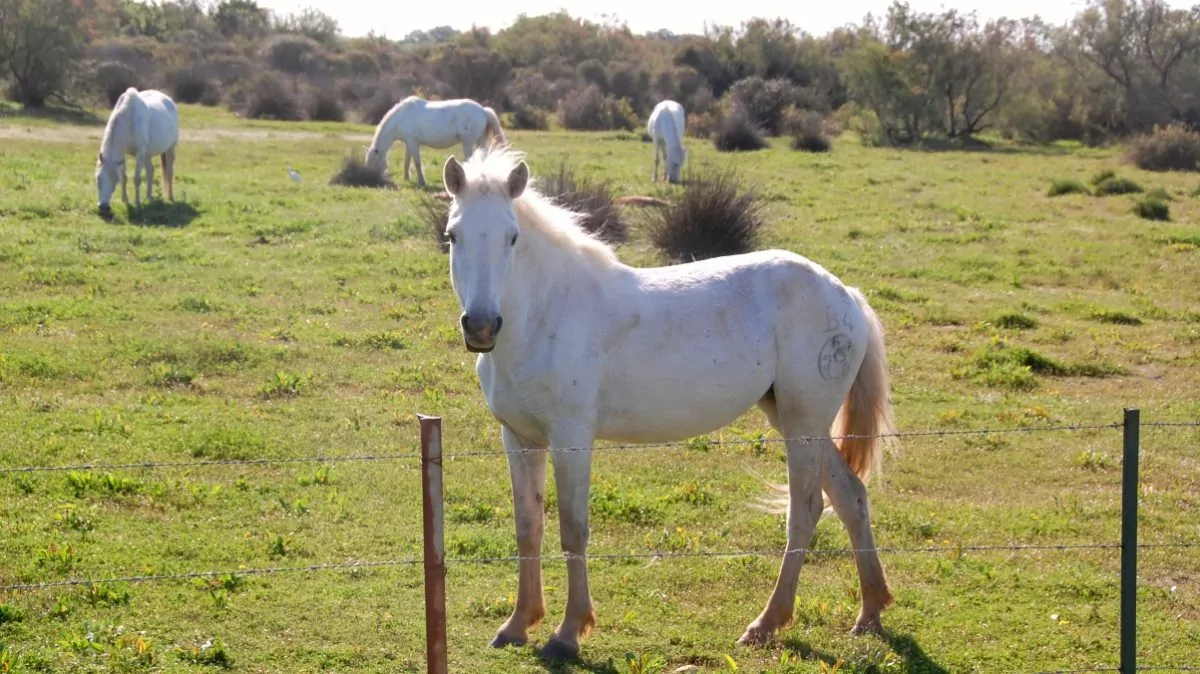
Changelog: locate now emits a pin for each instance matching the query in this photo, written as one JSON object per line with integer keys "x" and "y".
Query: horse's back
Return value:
{"x": 162, "y": 118}
{"x": 666, "y": 114}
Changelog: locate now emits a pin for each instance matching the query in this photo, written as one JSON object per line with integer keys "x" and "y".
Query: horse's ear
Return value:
{"x": 517, "y": 180}
{"x": 453, "y": 175}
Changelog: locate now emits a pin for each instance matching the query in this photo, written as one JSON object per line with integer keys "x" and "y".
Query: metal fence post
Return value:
{"x": 435, "y": 547}
{"x": 1129, "y": 541}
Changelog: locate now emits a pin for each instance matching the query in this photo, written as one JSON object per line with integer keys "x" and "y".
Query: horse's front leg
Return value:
{"x": 468, "y": 148}
{"x": 528, "y": 472}
{"x": 416, "y": 153}
{"x": 124, "y": 183}
{"x": 572, "y": 476}
{"x": 654, "y": 176}
{"x": 137, "y": 181}
{"x": 407, "y": 161}
{"x": 149, "y": 179}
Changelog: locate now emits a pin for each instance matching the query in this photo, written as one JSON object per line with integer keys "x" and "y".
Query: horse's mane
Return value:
{"x": 487, "y": 172}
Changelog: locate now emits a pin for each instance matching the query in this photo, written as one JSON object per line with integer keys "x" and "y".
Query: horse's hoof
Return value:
{"x": 754, "y": 636}
{"x": 867, "y": 626}
{"x": 558, "y": 650}
{"x": 501, "y": 640}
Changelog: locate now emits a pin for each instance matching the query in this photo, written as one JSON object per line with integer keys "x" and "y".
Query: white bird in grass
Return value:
{"x": 295, "y": 176}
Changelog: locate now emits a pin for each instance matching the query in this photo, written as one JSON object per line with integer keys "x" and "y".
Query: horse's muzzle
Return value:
{"x": 480, "y": 331}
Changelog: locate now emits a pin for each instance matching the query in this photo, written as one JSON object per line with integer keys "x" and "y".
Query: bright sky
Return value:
{"x": 396, "y": 18}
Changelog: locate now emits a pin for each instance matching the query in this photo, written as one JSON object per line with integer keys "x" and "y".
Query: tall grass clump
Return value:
{"x": 1167, "y": 148}
{"x": 713, "y": 217}
{"x": 1152, "y": 208}
{"x": 736, "y": 132}
{"x": 593, "y": 199}
{"x": 1108, "y": 183}
{"x": 435, "y": 213}
{"x": 808, "y": 131}
{"x": 1062, "y": 186}
{"x": 355, "y": 173}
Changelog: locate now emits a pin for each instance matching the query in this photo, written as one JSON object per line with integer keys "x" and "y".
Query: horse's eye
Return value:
{"x": 513, "y": 242}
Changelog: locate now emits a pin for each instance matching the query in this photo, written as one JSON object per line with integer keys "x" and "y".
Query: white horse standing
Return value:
{"x": 666, "y": 132}
{"x": 415, "y": 121}
{"x": 142, "y": 124}
{"x": 594, "y": 349}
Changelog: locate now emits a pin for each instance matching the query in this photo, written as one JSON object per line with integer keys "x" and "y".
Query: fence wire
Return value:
{"x": 566, "y": 556}
{"x": 364, "y": 458}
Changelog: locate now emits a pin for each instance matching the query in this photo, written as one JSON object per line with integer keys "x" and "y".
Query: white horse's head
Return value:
{"x": 483, "y": 232}
{"x": 374, "y": 157}
{"x": 108, "y": 174}
{"x": 675, "y": 159}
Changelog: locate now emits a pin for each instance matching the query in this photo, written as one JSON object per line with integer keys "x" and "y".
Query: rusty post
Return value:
{"x": 435, "y": 547}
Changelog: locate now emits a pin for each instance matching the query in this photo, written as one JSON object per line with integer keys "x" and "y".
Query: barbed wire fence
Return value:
{"x": 431, "y": 459}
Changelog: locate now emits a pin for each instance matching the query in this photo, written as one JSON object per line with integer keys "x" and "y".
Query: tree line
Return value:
{"x": 1118, "y": 67}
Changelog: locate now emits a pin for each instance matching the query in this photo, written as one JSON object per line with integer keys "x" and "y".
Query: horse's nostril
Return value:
{"x": 499, "y": 324}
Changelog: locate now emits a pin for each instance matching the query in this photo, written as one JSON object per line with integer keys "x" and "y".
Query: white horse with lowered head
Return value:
{"x": 415, "y": 121}
{"x": 666, "y": 132}
{"x": 142, "y": 124}
{"x": 576, "y": 346}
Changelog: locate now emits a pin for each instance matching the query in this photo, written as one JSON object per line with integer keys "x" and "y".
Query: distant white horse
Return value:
{"x": 594, "y": 349}
{"x": 415, "y": 121}
{"x": 666, "y": 132}
{"x": 142, "y": 124}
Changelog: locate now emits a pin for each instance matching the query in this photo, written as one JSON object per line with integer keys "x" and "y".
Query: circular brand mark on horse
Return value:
{"x": 834, "y": 360}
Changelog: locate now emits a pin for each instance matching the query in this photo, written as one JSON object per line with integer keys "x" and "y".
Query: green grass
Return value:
{"x": 263, "y": 318}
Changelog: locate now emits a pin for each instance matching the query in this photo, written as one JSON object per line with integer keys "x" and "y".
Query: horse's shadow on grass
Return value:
{"x": 170, "y": 214}
{"x": 915, "y": 658}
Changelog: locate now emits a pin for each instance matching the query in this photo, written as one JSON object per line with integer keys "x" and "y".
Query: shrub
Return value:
{"x": 113, "y": 78}
{"x": 373, "y": 108}
{"x": 190, "y": 85}
{"x": 355, "y": 173}
{"x": 713, "y": 217}
{"x": 736, "y": 132}
{"x": 1166, "y": 148}
{"x": 436, "y": 214}
{"x": 593, "y": 199}
{"x": 1152, "y": 208}
{"x": 525, "y": 117}
{"x": 700, "y": 125}
{"x": 267, "y": 96}
{"x": 767, "y": 101}
{"x": 1114, "y": 184}
{"x": 1062, "y": 186}
{"x": 325, "y": 106}
{"x": 808, "y": 132}
{"x": 589, "y": 109}
{"x": 294, "y": 54}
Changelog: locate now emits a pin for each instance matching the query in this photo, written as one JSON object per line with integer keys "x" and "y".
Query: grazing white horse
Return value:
{"x": 142, "y": 124}
{"x": 415, "y": 121}
{"x": 666, "y": 132}
{"x": 576, "y": 346}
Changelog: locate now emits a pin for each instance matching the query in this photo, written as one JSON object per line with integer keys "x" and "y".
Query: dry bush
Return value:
{"x": 436, "y": 214}
{"x": 525, "y": 117}
{"x": 355, "y": 173}
{"x": 712, "y": 218}
{"x": 113, "y": 78}
{"x": 807, "y": 130}
{"x": 1167, "y": 148}
{"x": 736, "y": 132}
{"x": 325, "y": 106}
{"x": 701, "y": 125}
{"x": 191, "y": 85}
{"x": 589, "y": 109}
{"x": 267, "y": 96}
{"x": 593, "y": 199}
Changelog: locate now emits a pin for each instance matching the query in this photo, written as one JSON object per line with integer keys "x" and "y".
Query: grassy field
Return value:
{"x": 257, "y": 317}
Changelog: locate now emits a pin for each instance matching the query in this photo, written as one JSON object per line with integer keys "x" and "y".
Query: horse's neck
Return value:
{"x": 542, "y": 275}
{"x": 120, "y": 134}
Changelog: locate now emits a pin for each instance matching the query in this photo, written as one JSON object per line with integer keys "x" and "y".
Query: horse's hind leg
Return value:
{"x": 804, "y": 509}
{"x": 407, "y": 161}
{"x": 848, "y": 496}
{"x": 654, "y": 176}
{"x": 168, "y": 165}
{"x": 528, "y": 473}
{"x": 416, "y": 155}
{"x": 137, "y": 181}
{"x": 149, "y": 179}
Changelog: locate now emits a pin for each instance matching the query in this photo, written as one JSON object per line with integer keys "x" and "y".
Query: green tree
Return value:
{"x": 42, "y": 43}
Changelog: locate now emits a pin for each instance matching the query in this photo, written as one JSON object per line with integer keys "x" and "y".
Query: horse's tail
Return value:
{"x": 866, "y": 413}
{"x": 493, "y": 130}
